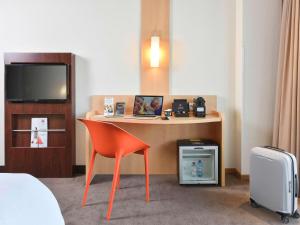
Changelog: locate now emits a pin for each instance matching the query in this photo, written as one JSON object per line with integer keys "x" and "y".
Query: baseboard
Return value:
{"x": 79, "y": 169}
{"x": 2, "y": 169}
{"x": 231, "y": 171}
{"x": 237, "y": 173}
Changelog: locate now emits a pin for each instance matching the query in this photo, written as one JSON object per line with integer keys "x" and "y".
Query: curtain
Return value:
{"x": 286, "y": 132}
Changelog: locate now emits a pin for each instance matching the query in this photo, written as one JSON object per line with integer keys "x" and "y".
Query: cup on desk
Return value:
{"x": 168, "y": 112}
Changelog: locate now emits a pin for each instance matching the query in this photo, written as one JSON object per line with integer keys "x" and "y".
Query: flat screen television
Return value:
{"x": 36, "y": 82}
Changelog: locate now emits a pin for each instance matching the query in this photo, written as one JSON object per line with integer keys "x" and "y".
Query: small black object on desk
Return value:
{"x": 199, "y": 107}
{"x": 181, "y": 108}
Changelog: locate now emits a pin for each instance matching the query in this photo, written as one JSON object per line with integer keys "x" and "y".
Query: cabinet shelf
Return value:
{"x": 30, "y": 148}
{"x": 49, "y": 130}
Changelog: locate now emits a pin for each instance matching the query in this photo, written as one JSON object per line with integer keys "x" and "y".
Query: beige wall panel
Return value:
{"x": 97, "y": 101}
{"x": 155, "y": 21}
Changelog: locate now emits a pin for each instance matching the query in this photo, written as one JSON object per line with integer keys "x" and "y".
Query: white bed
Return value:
{"x": 24, "y": 200}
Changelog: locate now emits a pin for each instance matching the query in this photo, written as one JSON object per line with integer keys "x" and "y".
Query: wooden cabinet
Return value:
{"x": 58, "y": 158}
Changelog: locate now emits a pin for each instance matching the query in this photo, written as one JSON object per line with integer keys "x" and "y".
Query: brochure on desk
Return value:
{"x": 108, "y": 106}
{"x": 39, "y": 133}
{"x": 120, "y": 108}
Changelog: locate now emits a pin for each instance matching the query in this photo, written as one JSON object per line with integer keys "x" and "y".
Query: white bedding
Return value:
{"x": 24, "y": 200}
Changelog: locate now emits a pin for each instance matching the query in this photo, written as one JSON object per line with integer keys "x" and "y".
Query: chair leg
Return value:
{"x": 88, "y": 181}
{"x": 146, "y": 158}
{"x": 114, "y": 185}
{"x": 118, "y": 183}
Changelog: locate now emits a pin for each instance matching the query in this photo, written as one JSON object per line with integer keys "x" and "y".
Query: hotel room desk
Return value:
{"x": 162, "y": 136}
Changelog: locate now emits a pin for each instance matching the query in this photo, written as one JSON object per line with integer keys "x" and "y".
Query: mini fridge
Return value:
{"x": 198, "y": 162}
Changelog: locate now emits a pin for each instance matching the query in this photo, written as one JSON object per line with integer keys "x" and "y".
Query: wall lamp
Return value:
{"x": 154, "y": 52}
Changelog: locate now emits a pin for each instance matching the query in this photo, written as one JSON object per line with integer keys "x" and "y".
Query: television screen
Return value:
{"x": 36, "y": 82}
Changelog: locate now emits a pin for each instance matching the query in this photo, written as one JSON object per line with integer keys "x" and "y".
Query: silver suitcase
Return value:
{"x": 274, "y": 181}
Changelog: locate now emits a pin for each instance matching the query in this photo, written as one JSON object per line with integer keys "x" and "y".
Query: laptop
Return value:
{"x": 147, "y": 106}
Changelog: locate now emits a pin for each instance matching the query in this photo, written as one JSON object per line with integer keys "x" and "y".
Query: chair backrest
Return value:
{"x": 108, "y": 139}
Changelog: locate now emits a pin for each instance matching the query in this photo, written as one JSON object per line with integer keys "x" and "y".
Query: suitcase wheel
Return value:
{"x": 296, "y": 215}
{"x": 253, "y": 203}
{"x": 285, "y": 219}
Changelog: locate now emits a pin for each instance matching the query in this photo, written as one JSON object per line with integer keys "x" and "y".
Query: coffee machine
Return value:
{"x": 199, "y": 107}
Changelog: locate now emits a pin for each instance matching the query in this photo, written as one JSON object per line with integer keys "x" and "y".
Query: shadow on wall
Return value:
{"x": 226, "y": 107}
{"x": 82, "y": 105}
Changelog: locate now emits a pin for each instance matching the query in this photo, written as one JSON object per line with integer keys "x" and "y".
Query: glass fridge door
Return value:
{"x": 200, "y": 167}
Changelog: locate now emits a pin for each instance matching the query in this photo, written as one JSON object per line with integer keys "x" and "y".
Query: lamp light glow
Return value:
{"x": 155, "y": 52}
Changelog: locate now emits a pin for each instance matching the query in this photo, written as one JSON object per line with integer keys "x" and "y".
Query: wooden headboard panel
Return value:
{"x": 97, "y": 102}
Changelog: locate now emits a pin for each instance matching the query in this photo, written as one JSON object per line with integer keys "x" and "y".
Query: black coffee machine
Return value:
{"x": 199, "y": 107}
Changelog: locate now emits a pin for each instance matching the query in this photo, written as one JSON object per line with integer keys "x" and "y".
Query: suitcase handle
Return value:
{"x": 274, "y": 148}
{"x": 296, "y": 186}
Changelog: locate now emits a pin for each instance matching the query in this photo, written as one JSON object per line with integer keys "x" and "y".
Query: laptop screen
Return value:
{"x": 147, "y": 105}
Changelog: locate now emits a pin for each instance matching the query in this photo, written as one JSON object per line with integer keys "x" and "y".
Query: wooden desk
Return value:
{"x": 173, "y": 120}
{"x": 162, "y": 136}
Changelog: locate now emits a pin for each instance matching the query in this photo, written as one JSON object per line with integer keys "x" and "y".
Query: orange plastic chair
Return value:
{"x": 111, "y": 141}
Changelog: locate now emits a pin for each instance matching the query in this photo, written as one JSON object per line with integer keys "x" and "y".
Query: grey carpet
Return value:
{"x": 171, "y": 204}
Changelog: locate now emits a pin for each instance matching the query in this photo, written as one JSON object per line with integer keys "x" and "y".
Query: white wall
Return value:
{"x": 207, "y": 40}
{"x": 230, "y": 48}
{"x": 261, "y": 27}
{"x": 108, "y": 48}
{"x": 203, "y": 43}
{"x": 239, "y": 71}
{"x": 103, "y": 34}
